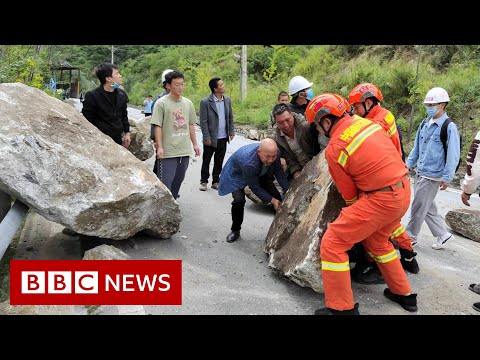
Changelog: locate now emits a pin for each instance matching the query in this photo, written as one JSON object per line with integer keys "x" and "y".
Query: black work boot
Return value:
{"x": 408, "y": 302}
{"x": 367, "y": 274}
{"x": 409, "y": 263}
{"x": 234, "y": 235}
{"x": 328, "y": 311}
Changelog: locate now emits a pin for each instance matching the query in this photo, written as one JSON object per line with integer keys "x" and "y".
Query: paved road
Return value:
{"x": 223, "y": 278}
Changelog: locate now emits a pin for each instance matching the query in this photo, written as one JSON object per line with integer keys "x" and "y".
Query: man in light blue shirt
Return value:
{"x": 434, "y": 170}
{"x": 148, "y": 102}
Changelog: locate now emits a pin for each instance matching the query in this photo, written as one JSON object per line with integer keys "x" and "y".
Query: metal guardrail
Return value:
{"x": 10, "y": 224}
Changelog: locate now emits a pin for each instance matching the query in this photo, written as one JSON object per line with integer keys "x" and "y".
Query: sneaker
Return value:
{"x": 215, "y": 186}
{"x": 328, "y": 311}
{"x": 408, "y": 302}
{"x": 409, "y": 263}
{"x": 441, "y": 241}
{"x": 476, "y": 306}
{"x": 203, "y": 187}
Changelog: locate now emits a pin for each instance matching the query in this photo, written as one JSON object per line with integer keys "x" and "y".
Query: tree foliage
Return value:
{"x": 331, "y": 68}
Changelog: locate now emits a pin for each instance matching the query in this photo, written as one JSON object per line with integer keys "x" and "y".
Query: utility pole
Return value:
{"x": 243, "y": 74}
{"x": 113, "y": 50}
{"x": 410, "y": 123}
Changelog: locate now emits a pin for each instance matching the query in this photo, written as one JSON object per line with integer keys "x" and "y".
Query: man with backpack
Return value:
{"x": 436, "y": 165}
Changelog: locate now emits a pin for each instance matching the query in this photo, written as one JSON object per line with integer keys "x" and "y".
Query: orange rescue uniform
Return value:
{"x": 371, "y": 177}
{"x": 385, "y": 118}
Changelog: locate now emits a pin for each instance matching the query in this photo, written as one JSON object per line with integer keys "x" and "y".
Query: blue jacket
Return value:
{"x": 428, "y": 153}
{"x": 242, "y": 169}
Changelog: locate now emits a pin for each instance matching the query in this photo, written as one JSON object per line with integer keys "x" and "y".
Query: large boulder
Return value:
{"x": 293, "y": 240}
{"x": 465, "y": 222}
{"x": 141, "y": 146}
{"x": 56, "y": 162}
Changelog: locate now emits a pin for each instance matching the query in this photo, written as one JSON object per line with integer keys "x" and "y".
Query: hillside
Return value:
{"x": 404, "y": 73}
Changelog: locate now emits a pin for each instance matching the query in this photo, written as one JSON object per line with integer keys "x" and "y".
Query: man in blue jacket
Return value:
{"x": 251, "y": 166}
{"x": 434, "y": 170}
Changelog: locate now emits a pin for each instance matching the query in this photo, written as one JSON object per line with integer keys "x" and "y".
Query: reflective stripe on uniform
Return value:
{"x": 397, "y": 232}
{"x": 332, "y": 266}
{"x": 352, "y": 201}
{"x": 392, "y": 130}
{"x": 386, "y": 258}
{"x": 356, "y": 142}
{"x": 342, "y": 159}
{"x": 390, "y": 119}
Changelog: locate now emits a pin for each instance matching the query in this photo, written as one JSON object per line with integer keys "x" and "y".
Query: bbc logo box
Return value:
{"x": 95, "y": 282}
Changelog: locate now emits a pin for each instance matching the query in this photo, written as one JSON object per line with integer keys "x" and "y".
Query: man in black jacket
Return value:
{"x": 106, "y": 106}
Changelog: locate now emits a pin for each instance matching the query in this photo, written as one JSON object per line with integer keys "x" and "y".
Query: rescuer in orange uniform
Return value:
{"x": 372, "y": 180}
{"x": 365, "y": 101}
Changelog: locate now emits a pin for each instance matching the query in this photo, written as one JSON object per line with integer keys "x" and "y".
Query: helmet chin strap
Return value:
{"x": 365, "y": 107}
{"x": 324, "y": 131}
{"x": 332, "y": 124}
{"x": 327, "y": 133}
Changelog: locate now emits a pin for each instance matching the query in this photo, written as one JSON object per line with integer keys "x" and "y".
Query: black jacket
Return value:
{"x": 109, "y": 117}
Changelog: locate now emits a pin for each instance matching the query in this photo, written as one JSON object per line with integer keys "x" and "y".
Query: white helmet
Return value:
{"x": 165, "y": 73}
{"x": 298, "y": 83}
{"x": 436, "y": 95}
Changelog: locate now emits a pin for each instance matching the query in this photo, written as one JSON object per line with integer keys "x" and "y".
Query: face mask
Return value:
{"x": 432, "y": 111}
{"x": 310, "y": 94}
{"x": 115, "y": 86}
{"x": 323, "y": 140}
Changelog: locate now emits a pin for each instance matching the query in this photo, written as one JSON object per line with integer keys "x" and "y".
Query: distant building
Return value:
{"x": 67, "y": 77}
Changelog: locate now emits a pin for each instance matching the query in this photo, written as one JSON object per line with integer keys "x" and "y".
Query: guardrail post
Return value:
{"x": 10, "y": 224}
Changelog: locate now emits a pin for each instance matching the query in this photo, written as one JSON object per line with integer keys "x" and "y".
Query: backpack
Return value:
{"x": 443, "y": 138}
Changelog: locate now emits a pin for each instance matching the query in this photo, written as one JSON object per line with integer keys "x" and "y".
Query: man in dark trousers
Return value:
{"x": 216, "y": 122}
{"x": 252, "y": 165}
{"x": 152, "y": 127}
{"x": 106, "y": 106}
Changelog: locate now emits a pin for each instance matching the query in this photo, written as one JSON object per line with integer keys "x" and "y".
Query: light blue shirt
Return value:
{"x": 222, "y": 124}
{"x": 428, "y": 154}
{"x": 148, "y": 107}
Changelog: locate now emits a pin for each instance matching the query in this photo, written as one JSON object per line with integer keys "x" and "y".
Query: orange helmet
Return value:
{"x": 324, "y": 104}
{"x": 363, "y": 91}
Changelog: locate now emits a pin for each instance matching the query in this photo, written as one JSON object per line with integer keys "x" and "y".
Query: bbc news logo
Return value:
{"x": 95, "y": 282}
